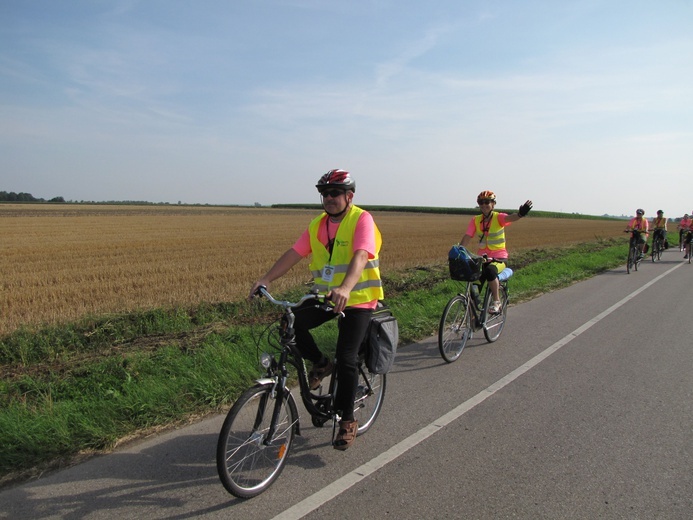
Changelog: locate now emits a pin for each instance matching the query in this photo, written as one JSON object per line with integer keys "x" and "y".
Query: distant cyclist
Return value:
{"x": 639, "y": 223}
{"x": 488, "y": 229}
{"x": 660, "y": 223}
{"x": 684, "y": 226}
{"x": 688, "y": 236}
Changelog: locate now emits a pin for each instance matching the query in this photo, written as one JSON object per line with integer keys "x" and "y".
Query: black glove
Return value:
{"x": 524, "y": 209}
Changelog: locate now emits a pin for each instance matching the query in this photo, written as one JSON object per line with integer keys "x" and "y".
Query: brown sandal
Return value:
{"x": 317, "y": 374}
{"x": 346, "y": 435}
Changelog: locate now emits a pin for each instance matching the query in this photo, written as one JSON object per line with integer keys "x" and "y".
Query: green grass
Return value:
{"x": 82, "y": 387}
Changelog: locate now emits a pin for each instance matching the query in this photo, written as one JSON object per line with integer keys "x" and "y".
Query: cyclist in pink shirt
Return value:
{"x": 686, "y": 232}
{"x": 487, "y": 232}
{"x": 343, "y": 243}
{"x": 639, "y": 223}
{"x": 684, "y": 227}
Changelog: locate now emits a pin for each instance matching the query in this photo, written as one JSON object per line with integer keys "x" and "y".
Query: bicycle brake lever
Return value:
{"x": 328, "y": 308}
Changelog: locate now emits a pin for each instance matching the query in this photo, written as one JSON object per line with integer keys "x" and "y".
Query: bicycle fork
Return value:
{"x": 279, "y": 393}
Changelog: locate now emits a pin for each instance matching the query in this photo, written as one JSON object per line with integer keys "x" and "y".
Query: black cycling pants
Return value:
{"x": 352, "y": 331}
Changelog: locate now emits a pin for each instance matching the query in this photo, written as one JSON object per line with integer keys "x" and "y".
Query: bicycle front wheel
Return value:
{"x": 455, "y": 328}
{"x": 631, "y": 260}
{"x": 248, "y": 462}
{"x": 370, "y": 393}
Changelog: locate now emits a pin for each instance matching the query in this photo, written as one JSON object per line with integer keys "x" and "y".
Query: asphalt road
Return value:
{"x": 582, "y": 409}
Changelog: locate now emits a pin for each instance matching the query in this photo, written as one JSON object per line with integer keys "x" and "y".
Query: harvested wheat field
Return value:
{"x": 62, "y": 262}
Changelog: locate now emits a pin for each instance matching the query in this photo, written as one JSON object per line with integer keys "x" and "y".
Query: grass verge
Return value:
{"x": 70, "y": 391}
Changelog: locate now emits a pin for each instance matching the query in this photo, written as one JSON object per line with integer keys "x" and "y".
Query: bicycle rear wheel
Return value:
{"x": 370, "y": 393}
{"x": 657, "y": 247}
{"x": 495, "y": 322}
{"x": 455, "y": 328}
{"x": 247, "y": 462}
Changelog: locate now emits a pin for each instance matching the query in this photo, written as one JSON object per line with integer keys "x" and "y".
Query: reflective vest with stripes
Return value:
{"x": 492, "y": 238}
{"x": 369, "y": 286}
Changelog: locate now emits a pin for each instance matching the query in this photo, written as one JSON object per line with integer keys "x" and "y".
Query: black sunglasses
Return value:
{"x": 332, "y": 193}
{"x": 485, "y": 201}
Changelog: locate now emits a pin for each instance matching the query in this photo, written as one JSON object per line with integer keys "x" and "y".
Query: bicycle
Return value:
{"x": 258, "y": 432}
{"x": 634, "y": 255}
{"x": 657, "y": 246}
{"x": 466, "y": 313}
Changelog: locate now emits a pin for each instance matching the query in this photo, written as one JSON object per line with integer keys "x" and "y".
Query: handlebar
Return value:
{"x": 321, "y": 298}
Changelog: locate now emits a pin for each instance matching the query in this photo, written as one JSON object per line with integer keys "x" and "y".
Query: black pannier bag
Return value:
{"x": 464, "y": 266}
{"x": 380, "y": 343}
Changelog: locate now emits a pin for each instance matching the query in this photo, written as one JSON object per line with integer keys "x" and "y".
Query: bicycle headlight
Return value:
{"x": 266, "y": 360}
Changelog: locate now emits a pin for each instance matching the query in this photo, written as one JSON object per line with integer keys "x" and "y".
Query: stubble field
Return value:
{"x": 62, "y": 262}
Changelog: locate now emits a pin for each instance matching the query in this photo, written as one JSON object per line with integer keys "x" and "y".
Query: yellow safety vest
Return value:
{"x": 492, "y": 238}
{"x": 369, "y": 286}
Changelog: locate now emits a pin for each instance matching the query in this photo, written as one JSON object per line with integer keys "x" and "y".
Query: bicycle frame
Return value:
{"x": 481, "y": 315}
{"x": 657, "y": 245}
{"x": 318, "y": 406}
{"x": 633, "y": 252}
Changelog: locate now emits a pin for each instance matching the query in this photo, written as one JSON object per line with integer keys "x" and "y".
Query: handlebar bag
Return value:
{"x": 463, "y": 265}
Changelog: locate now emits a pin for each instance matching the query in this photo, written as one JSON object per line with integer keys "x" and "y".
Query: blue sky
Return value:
{"x": 583, "y": 106}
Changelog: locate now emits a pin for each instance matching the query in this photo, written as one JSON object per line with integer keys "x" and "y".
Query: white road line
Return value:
{"x": 342, "y": 484}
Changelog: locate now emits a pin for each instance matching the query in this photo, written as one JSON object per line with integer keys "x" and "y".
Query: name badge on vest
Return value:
{"x": 327, "y": 273}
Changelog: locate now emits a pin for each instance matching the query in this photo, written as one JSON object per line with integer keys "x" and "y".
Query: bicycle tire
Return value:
{"x": 493, "y": 327}
{"x": 455, "y": 328}
{"x": 629, "y": 263}
{"x": 657, "y": 247}
{"x": 370, "y": 393}
{"x": 245, "y": 464}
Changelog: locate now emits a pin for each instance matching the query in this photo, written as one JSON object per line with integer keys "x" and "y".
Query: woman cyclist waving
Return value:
{"x": 488, "y": 229}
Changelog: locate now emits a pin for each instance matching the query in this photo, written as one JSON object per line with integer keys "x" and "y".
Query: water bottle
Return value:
{"x": 505, "y": 274}
{"x": 475, "y": 294}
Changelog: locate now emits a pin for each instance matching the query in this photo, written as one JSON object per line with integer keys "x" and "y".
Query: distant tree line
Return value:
{"x": 24, "y": 197}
